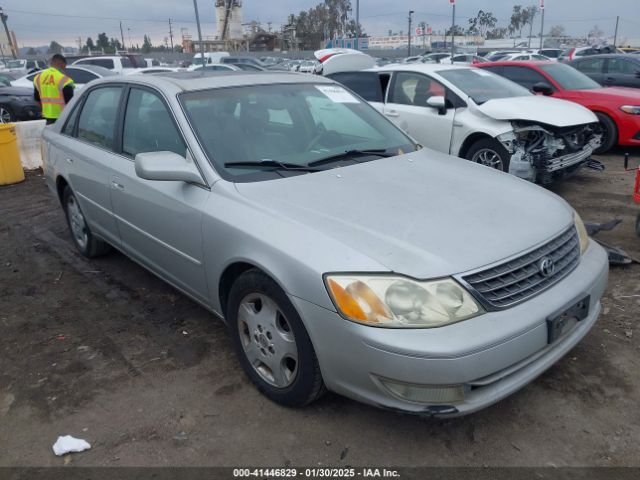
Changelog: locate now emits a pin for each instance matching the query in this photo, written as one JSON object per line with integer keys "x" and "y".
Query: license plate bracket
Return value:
{"x": 557, "y": 324}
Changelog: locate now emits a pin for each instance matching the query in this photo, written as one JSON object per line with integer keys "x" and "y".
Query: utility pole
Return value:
{"x": 542, "y": 25}
{"x": 615, "y": 37}
{"x": 357, "y": 25}
{"x": 195, "y": 7}
{"x": 171, "y": 35}
{"x": 4, "y": 18}
{"x": 409, "y": 32}
{"x": 130, "y": 42}
{"x": 453, "y": 30}
{"x": 122, "y": 36}
{"x": 531, "y": 26}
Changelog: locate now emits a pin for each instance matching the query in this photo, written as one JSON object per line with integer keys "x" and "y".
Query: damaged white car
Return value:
{"x": 474, "y": 114}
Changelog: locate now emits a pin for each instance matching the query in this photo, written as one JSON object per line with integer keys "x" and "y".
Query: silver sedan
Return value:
{"x": 341, "y": 255}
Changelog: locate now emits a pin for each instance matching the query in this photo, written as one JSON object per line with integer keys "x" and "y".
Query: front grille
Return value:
{"x": 514, "y": 281}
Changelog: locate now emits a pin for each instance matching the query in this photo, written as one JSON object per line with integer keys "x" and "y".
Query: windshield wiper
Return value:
{"x": 268, "y": 163}
{"x": 351, "y": 153}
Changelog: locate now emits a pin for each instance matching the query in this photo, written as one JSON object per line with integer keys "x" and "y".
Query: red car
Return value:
{"x": 617, "y": 108}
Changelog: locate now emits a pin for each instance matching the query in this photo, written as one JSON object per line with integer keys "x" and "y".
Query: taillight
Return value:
{"x": 571, "y": 53}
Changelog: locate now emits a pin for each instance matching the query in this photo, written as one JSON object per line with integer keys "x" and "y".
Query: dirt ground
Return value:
{"x": 105, "y": 351}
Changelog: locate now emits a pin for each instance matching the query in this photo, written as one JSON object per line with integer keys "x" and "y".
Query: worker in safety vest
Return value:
{"x": 53, "y": 89}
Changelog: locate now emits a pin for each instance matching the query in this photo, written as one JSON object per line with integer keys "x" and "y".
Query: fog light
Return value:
{"x": 426, "y": 394}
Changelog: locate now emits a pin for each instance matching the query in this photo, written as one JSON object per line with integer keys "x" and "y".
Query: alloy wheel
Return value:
{"x": 77, "y": 223}
{"x": 488, "y": 158}
{"x": 5, "y": 116}
{"x": 268, "y": 340}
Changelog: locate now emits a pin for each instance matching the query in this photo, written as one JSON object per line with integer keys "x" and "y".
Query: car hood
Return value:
{"x": 423, "y": 214}
{"x": 17, "y": 91}
{"x": 538, "y": 109}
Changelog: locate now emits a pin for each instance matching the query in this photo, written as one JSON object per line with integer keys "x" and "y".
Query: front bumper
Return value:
{"x": 492, "y": 355}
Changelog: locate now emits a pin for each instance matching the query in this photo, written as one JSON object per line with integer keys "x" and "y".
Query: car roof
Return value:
{"x": 193, "y": 81}
{"x": 420, "y": 67}
{"x": 607, "y": 55}
{"x": 517, "y": 63}
{"x": 104, "y": 72}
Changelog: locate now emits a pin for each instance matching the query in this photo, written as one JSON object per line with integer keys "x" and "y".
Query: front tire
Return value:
{"x": 6, "y": 115}
{"x": 88, "y": 245}
{"x": 271, "y": 342}
{"x": 609, "y": 132}
{"x": 490, "y": 153}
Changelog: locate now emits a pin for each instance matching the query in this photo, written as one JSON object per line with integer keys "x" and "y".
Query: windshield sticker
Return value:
{"x": 482, "y": 73}
{"x": 337, "y": 94}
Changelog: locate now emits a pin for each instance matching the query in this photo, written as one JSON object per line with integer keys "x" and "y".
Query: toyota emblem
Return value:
{"x": 547, "y": 267}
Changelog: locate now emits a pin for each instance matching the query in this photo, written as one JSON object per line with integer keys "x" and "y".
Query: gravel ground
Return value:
{"x": 105, "y": 351}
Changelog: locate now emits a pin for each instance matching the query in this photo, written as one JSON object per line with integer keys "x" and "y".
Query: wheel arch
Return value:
{"x": 61, "y": 184}
{"x": 470, "y": 140}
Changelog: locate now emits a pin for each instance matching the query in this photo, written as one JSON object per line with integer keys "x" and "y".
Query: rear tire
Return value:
{"x": 88, "y": 245}
{"x": 609, "y": 133}
{"x": 490, "y": 153}
{"x": 271, "y": 342}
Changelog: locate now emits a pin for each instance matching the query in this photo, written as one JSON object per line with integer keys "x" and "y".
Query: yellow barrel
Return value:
{"x": 10, "y": 166}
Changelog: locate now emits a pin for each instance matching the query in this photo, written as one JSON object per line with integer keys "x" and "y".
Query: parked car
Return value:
{"x": 617, "y": 109}
{"x": 464, "y": 58}
{"x": 146, "y": 71}
{"x": 81, "y": 75}
{"x": 22, "y": 66}
{"x": 434, "y": 57}
{"x": 210, "y": 58}
{"x": 217, "y": 68}
{"x": 18, "y": 104}
{"x": 118, "y": 64}
{"x": 463, "y": 111}
{"x": 308, "y": 66}
{"x": 524, "y": 57}
{"x": 611, "y": 70}
{"x": 552, "y": 54}
{"x": 6, "y": 78}
{"x": 339, "y": 254}
{"x": 576, "y": 52}
{"x": 235, "y": 60}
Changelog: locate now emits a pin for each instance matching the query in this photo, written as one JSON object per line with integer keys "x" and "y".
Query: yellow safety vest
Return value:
{"x": 50, "y": 83}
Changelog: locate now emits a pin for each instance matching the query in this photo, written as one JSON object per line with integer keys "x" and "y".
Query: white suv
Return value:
{"x": 116, "y": 63}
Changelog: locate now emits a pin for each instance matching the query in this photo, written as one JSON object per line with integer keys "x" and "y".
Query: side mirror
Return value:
{"x": 167, "y": 166}
{"x": 439, "y": 103}
{"x": 543, "y": 88}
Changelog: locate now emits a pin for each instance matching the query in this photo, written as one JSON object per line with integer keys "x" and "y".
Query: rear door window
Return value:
{"x": 524, "y": 76}
{"x": 591, "y": 65}
{"x": 97, "y": 121}
{"x": 80, "y": 76}
{"x": 622, "y": 66}
{"x": 365, "y": 84}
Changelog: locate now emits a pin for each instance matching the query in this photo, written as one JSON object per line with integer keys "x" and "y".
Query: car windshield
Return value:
{"x": 482, "y": 86}
{"x": 290, "y": 124}
{"x": 568, "y": 77}
{"x": 16, "y": 63}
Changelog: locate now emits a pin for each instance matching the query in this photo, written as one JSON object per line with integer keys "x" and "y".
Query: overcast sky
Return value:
{"x": 37, "y": 22}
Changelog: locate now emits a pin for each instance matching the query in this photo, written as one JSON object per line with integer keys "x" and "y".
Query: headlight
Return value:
{"x": 631, "y": 109}
{"x": 582, "y": 232}
{"x": 398, "y": 302}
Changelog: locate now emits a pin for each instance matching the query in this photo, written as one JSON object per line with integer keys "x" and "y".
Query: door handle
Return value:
{"x": 392, "y": 113}
{"x": 116, "y": 184}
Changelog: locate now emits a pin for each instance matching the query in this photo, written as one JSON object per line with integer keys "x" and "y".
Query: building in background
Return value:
{"x": 229, "y": 19}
